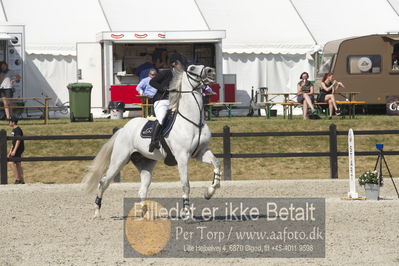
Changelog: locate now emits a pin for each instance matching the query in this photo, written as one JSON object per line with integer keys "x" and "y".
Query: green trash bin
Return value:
{"x": 80, "y": 101}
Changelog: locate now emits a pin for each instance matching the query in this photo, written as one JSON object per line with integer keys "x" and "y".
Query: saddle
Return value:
{"x": 169, "y": 121}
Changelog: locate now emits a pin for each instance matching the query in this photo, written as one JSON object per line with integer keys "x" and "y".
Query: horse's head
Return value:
{"x": 201, "y": 74}
{"x": 198, "y": 76}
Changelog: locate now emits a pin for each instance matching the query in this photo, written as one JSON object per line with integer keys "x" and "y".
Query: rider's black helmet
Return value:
{"x": 178, "y": 58}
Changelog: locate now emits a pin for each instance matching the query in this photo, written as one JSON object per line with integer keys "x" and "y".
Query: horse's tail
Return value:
{"x": 99, "y": 165}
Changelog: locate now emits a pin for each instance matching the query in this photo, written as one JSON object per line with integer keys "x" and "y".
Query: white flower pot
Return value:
{"x": 372, "y": 191}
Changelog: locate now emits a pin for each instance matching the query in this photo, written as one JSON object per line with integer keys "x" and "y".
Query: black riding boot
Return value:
{"x": 156, "y": 132}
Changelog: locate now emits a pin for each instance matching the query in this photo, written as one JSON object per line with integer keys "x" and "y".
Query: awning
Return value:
{"x": 162, "y": 36}
{"x": 5, "y": 36}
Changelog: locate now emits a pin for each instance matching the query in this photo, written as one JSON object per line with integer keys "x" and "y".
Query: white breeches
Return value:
{"x": 161, "y": 108}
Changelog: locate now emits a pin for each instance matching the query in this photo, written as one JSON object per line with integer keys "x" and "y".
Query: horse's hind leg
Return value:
{"x": 208, "y": 157}
{"x": 145, "y": 167}
{"x": 118, "y": 160}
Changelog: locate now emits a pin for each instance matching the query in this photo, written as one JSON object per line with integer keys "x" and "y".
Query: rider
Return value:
{"x": 161, "y": 98}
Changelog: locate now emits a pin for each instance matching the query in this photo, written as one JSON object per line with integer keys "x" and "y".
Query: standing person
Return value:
{"x": 161, "y": 58}
{"x": 207, "y": 92}
{"x": 6, "y": 87}
{"x": 161, "y": 98}
{"x": 327, "y": 90}
{"x": 144, "y": 87}
{"x": 305, "y": 94}
{"x": 143, "y": 70}
{"x": 17, "y": 148}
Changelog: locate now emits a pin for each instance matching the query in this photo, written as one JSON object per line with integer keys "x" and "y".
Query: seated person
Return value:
{"x": 144, "y": 87}
{"x": 305, "y": 94}
{"x": 327, "y": 90}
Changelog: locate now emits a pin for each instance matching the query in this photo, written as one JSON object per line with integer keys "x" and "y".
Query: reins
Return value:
{"x": 201, "y": 124}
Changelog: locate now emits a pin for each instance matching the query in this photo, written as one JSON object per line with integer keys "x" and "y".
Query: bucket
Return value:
{"x": 116, "y": 109}
{"x": 116, "y": 114}
{"x": 372, "y": 191}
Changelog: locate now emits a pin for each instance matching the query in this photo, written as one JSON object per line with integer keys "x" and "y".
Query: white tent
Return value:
{"x": 395, "y": 5}
{"x": 52, "y": 28}
{"x": 268, "y": 43}
{"x": 171, "y": 15}
{"x": 347, "y": 18}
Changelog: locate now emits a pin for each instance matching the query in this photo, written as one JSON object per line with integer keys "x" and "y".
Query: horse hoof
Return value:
{"x": 209, "y": 192}
{"x": 186, "y": 214}
{"x": 97, "y": 214}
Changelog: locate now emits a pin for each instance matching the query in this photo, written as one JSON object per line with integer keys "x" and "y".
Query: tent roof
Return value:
{"x": 331, "y": 20}
{"x": 54, "y": 26}
{"x": 170, "y": 15}
{"x": 395, "y": 5}
{"x": 252, "y": 26}
{"x": 258, "y": 26}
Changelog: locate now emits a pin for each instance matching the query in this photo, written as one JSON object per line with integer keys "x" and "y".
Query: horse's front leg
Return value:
{"x": 182, "y": 163}
{"x": 209, "y": 157}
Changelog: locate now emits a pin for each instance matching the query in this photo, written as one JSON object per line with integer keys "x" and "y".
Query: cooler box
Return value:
{"x": 216, "y": 89}
{"x": 229, "y": 92}
{"x": 230, "y": 81}
{"x": 124, "y": 93}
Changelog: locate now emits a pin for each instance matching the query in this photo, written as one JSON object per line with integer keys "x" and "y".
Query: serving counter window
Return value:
{"x": 129, "y": 59}
{"x": 364, "y": 64}
{"x": 395, "y": 58}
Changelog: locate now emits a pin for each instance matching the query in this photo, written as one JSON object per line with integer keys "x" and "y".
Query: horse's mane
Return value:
{"x": 175, "y": 85}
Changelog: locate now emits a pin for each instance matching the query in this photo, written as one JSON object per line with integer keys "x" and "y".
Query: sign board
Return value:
{"x": 162, "y": 36}
{"x": 392, "y": 105}
{"x": 352, "y": 170}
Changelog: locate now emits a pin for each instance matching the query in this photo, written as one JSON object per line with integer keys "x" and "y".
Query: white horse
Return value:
{"x": 188, "y": 138}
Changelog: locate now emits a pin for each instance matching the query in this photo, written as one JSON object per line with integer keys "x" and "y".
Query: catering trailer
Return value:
{"x": 110, "y": 64}
{"x": 366, "y": 64}
{"x": 12, "y": 51}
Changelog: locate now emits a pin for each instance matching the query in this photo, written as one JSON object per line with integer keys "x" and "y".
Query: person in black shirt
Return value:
{"x": 161, "y": 98}
{"x": 328, "y": 87}
{"x": 17, "y": 148}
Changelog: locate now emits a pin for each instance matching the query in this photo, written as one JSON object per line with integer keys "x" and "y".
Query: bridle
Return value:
{"x": 202, "y": 81}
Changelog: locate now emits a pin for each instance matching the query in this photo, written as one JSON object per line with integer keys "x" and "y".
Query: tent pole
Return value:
{"x": 303, "y": 21}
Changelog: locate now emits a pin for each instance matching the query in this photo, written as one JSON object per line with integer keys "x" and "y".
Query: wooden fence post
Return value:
{"x": 46, "y": 110}
{"x": 3, "y": 157}
{"x": 226, "y": 153}
{"x": 333, "y": 152}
